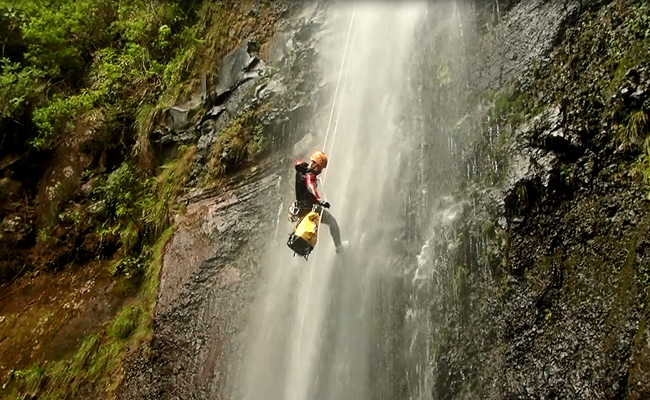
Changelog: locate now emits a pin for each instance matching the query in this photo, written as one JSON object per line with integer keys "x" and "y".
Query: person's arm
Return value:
{"x": 310, "y": 180}
{"x": 301, "y": 166}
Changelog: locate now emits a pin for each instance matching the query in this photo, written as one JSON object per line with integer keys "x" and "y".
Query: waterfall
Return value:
{"x": 357, "y": 325}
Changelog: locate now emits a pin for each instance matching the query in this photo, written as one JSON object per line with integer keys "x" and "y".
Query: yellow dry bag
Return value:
{"x": 303, "y": 239}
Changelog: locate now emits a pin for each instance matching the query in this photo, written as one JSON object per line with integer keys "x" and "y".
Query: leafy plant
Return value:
{"x": 131, "y": 267}
{"x": 18, "y": 87}
{"x": 33, "y": 378}
{"x": 120, "y": 192}
{"x": 63, "y": 58}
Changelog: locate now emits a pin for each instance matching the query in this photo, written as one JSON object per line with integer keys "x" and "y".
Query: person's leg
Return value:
{"x": 330, "y": 221}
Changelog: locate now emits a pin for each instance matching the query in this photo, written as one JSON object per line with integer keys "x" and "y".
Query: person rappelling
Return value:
{"x": 309, "y": 209}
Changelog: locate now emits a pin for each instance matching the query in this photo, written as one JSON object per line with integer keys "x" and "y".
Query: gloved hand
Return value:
{"x": 325, "y": 204}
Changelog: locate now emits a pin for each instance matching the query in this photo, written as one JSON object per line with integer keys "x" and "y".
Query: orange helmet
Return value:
{"x": 320, "y": 159}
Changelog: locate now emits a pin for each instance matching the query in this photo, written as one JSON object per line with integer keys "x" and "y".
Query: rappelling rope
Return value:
{"x": 327, "y": 133}
{"x": 348, "y": 39}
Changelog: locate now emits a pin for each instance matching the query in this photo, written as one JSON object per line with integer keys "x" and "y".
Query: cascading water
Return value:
{"x": 357, "y": 325}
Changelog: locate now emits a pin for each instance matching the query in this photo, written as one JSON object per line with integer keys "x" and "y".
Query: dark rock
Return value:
{"x": 625, "y": 92}
{"x": 200, "y": 311}
{"x": 178, "y": 117}
{"x": 213, "y": 113}
{"x": 520, "y": 41}
{"x": 195, "y": 311}
{"x": 546, "y": 131}
{"x": 633, "y": 75}
{"x": 232, "y": 69}
{"x": 185, "y": 136}
{"x": 238, "y": 67}
{"x": 639, "y": 93}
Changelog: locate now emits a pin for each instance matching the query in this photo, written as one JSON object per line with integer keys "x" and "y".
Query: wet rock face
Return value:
{"x": 573, "y": 306}
{"x": 562, "y": 312}
{"x": 207, "y": 279}
{"x": 285, "y": 84}
{"x": 522, "y": 39}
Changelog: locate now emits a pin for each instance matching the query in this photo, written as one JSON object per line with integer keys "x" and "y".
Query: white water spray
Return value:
{"x": 320, "y": 329}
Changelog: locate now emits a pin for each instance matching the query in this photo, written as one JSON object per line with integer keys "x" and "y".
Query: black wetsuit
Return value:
{"x": 307, "y": 196}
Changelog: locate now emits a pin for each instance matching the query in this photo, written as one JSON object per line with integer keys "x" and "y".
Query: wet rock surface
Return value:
{"x": 524, "y": 37}
{"x": 552, "y": 285}
{"x": 207, "y": 280}
{"x": 43, "y": 313}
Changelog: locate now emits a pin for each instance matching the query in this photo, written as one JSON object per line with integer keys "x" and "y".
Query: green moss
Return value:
{"x": 97, "y": 356}
{"x": 129, "y": 236}
{"x": 91, "y": 365}
{"x": 32, "y": 378}
{"x": 138, "y": 209}
{"x": 548, "y": 315}
{"x": 628, "y": 284}
{"x": 64, "y": 379}
{"x": 85, "y": 353}
{"x": 243, "y": 139}
{"x": 514, "y": 106}
{"x": 167, "y": 186}
{"x": 125, "y": 322}
{"x": 149, "y": 291}
{"x": 131, "y": 267}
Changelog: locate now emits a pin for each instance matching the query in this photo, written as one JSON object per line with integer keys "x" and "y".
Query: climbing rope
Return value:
{"x": 346, "y": 49}
{"x": 327, "y": 133}
{"x": 348, "y": 38}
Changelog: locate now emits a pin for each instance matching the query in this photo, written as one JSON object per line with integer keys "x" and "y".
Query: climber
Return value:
{"x": 307, "y": 195}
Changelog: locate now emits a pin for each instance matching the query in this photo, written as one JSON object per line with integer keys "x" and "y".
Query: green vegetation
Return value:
{"x": 125, "y": 322}
{"x": 605, "y": 47}
{"x": 600, "y": 56}
{"x": 513, "y": 107}
{"x": 242, "y": 139}
{"x": 98, "y": 354}
{"x": 138, "y": 268}
{"x": 65, "y": 379}
{"x": 138, "y": 210}
{"x": 95, "y": 76}
{"x": 636, "y": 129}
{"x": 62, "y": 58}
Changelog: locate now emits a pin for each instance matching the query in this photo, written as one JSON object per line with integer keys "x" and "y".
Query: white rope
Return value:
{"x": 334, "y": 101}
{"x": 339, "y": 78}
{"x": 348, "y": 39}
{"x": 327, "y": 132}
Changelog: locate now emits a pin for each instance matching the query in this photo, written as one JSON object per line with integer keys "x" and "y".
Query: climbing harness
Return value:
{"x": 294, "y": 212}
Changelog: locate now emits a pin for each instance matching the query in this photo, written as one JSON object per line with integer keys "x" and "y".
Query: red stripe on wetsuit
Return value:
{"x": 310, "y": 181}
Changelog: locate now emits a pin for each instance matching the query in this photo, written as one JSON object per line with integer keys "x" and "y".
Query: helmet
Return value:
{"x": 320, "y": 159}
